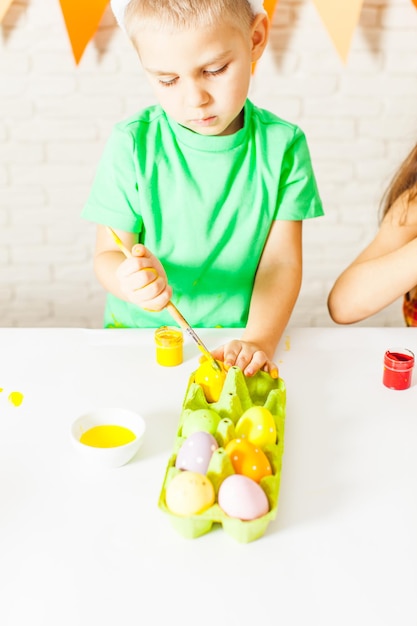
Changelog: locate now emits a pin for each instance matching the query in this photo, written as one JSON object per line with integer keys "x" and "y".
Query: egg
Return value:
{"x": 248, "y": 459}
{"x": 241, "y": 497}
{"x": 210, "y": 379}
{"x": 196, "y": 451}
{"x": 189, "y": 493}
{"x": 258, "y": 426}
{"x": 200, "y": 419}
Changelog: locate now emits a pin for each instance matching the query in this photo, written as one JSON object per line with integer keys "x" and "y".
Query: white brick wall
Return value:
{"x": 360, "y": 120}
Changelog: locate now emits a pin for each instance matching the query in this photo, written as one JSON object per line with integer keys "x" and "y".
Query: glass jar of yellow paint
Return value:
{"x": 169, "y": 343}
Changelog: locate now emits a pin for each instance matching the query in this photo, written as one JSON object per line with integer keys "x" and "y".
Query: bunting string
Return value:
{"x": 82, "y": 19}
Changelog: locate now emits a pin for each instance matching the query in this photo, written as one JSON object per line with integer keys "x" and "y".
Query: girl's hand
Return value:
{"x": 143, "y": 280}
{"x": 249, "y": 357}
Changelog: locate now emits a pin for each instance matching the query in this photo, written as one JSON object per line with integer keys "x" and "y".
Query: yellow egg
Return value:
{"x": 258, "y": 426}
{"x": 210, "y": 379}
{"x": 189, "y": 493}
{"x": 248, "y": 459}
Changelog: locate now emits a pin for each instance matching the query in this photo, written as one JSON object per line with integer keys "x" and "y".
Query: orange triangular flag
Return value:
{"x": 82, "y": 19}
{"x": 4, "y": 7}
{"x": 340, "y": 18}
{"x": 414, "y": 2}
{"x": 270, "y": 6}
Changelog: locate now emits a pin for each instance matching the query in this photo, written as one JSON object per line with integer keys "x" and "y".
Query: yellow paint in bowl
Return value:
{"x": 107, "y": 436}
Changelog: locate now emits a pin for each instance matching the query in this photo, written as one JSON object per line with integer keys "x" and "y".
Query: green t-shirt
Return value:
{"x": 203, "y": 205}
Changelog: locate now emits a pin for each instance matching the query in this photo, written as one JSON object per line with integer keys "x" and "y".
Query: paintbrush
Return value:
{"x": 175, "y": 313}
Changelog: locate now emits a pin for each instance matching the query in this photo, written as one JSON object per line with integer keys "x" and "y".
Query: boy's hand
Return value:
{"x": 143, "y": 280}
{"x": 249, "y": 357}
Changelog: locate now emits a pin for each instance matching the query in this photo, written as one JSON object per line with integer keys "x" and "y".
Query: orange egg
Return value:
{"x": 248, "y": 459}
{"x": 210, "y": 379}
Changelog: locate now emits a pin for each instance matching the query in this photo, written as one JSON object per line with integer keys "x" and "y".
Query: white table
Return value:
{"x": 87, "y": 547}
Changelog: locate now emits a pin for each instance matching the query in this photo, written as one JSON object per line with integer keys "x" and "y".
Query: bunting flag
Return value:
{"x": 271, "y": 5}
{"x": 82, "y": 19}
{"x": 340, "y": 17}
{"x": 414, "y": 2}
{"x": 4, "y": 7}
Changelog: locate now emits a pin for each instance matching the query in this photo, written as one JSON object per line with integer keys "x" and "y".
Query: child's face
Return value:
{"x": 200, "y": 76}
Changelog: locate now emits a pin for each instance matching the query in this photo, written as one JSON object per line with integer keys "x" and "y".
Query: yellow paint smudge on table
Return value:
{"x": 16, "y": 398}
{"x": 107, "y": 436}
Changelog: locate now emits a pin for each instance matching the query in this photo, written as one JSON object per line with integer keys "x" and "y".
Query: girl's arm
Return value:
{"x": 276, "y": 288}
{"x": 383, "y": 272}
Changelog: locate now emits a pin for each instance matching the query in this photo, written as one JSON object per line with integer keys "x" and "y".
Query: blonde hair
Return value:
{"x": 185, "y": 14}
{"x": 403, "y": 182}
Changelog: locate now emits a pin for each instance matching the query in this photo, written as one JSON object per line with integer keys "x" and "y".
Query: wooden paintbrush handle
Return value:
{"x": 181, "y": 321}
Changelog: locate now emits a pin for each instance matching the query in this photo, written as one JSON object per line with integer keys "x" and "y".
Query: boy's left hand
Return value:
{"x": 249, "y": 357}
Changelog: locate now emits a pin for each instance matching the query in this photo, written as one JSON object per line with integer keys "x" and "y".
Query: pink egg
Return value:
{"x": 196, "y": 451}
{"x": 241, "y": 497}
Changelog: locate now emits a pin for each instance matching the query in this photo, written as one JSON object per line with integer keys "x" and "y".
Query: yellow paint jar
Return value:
{"x": 169, "y": 343}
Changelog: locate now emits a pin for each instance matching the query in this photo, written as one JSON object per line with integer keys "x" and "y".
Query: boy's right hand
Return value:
{"x": 143, "y": 280}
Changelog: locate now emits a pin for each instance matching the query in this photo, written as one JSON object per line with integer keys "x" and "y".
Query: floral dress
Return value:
{"x": 410, "y": 308}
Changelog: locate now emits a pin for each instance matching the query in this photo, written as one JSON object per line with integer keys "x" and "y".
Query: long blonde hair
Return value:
{"x": 403, "y": 182}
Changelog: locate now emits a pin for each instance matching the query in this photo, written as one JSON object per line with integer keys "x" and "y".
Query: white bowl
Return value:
{"x": 109, "y": 457}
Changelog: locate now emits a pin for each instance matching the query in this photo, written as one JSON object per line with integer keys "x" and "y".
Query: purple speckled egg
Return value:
{"x": 196, "y": 451}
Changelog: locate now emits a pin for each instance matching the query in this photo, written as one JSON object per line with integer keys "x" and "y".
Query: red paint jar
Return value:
{"x": 398, "y": 368}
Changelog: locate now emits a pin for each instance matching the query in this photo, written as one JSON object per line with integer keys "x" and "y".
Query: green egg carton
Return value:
{"x": 219, "y": 418}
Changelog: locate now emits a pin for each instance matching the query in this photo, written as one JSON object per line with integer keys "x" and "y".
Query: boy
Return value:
{"x": 207, "y": 190}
